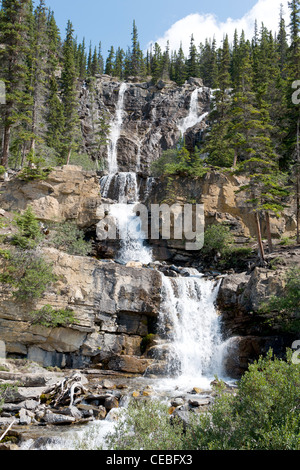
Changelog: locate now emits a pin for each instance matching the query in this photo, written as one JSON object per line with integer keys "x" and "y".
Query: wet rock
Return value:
{"x": 58, "y": 419}
{"x": 110, "y": 403}
{"x": 199, "y": 402}
{"x": 177, "y": 402}
{"x": 24, "y": 417}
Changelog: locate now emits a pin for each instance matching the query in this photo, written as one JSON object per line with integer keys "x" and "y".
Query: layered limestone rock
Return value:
{"x": 68, "y": 194}
{"x": 114, "y": 307}
{"x": 151, "y": 119}
{"x": 223, "y": 202}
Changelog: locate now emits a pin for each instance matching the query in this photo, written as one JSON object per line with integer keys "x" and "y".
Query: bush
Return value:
{"x": 70, "y": 238}
{"x": 29, "y": 233}
{"x": 2, "y": 170}
{"x": 28, "y": 273}
{"x": 217, "y": 240}
{"x": 5, "y": 390}
{"x": 287, "y": 305}
{"x": 51, "y": 318}
{"x": 146, "y": 425}
{"x": 264, "y": 414}
{"x": 179, "y": 162}
{"x": 34, "y": 170}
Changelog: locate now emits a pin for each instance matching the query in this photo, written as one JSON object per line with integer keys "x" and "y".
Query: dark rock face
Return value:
{"x": 250, "y": 332}
{"x": 151, "y": 118}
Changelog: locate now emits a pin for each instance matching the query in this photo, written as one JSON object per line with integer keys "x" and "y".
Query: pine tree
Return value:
{"x": 55, "y": 119}
{"x": 109, "y": 67}
{"x": 14, "y": 71}
{"x": 69, "y": 94}
{"x": 100, "y": 59}
{"x": 38, "y": 72}
{"x": 282, "y": 44}
{"x": 180, "y": 67}
{"x": 81, "y": 61}
{"x": 156, "y": 63}
{"x": 192, "y": 64}
{"x": 118, "y": 69}
{"x": 137, "y": 66}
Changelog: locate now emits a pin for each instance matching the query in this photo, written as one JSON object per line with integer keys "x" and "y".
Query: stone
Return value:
{"x": 108, "y": 384}
{"x": 177, "y": 402}
{"x": 135, "y": 365}
{"x": 31, "y": 404}
{"x": 199, "y": 402}
{"x": 58, "y": 419}
{"x": 110, "y": 403}
{"x": 134, "y": 264}
{"x": 24, "y": 418}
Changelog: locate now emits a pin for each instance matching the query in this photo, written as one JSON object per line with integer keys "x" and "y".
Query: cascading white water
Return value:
{"x": 123, "y": 188}
{"x": 115, "y": 132}
{"x": 190, "y": 325}
{"x": 193, "y": 117}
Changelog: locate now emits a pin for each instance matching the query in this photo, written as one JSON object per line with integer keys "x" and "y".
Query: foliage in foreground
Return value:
{"x": 263, "y": 414}
{"x": 146, "y": 426}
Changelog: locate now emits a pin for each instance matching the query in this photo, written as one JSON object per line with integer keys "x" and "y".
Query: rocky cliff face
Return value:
{"x": 151, "y": 119}
{"x": 251, "y": 332}
{"x": 223, "y": 204}
{"x": 113, "y": 306}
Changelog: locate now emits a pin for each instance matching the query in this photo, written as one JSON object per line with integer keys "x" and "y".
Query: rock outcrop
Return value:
{"x": 251, "y": 332}
{"x": 68, "y": 194}
{"x": 113, "y": 305}
{"x": 223, "y": 204}
{"x": 152, "y": 114}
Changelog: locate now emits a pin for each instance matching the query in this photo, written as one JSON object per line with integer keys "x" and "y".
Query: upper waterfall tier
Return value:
{"x": 144, "y": 119}
{"x": 115, "y": 131}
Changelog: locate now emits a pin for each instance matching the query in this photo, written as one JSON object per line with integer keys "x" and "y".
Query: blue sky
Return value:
{"x": 162, "y": 20}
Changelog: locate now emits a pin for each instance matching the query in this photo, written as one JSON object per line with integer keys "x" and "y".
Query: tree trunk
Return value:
{"x": 298, "y": 181}
{"x": 69, "y": 156}
{"x": 259, "y": 239}
{"x": 270, "y": 243}
{"x": 235, "y": 159}
{"x": 5, "y": 151}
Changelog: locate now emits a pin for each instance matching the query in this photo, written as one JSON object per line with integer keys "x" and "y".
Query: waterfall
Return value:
{"x": 123, "y": 189}
{"x": 193, "y": 117}
{"x": 190, "y": 327}
{"x": 115, "y": 131}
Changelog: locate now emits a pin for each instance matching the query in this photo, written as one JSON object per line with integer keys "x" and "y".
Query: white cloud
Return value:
{"x": 208, "y": 25}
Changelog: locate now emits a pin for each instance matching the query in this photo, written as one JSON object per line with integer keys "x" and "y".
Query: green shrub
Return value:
{"x": 264, "y": 414}
{"x": 70, "y": 238}
{"x": 287, "y": 305}
{"x": 2, "y": 170}
{"x": 28, "y": 273}
{"x": 34, "y": 170}
{"x": 51, "y": 318}
{"x": 146, "y": 425}
{"x": 179, "y": 162}
{"x": 217, "y": 239}
{"x": 236, "y": 257}
{"x": 29, "y": 233}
